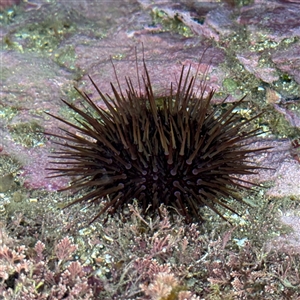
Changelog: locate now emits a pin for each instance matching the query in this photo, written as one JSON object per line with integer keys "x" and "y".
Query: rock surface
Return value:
{"x": 43, "y": 58}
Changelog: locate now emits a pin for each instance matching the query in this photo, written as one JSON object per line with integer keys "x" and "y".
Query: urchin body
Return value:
{"x": 174, "y": 149}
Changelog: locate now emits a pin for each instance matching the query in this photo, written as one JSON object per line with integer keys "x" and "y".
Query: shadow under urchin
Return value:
{"x": 175, "y": 149}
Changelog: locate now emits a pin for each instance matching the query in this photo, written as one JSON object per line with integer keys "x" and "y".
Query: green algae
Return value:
{"x": 230, "y": 85}
{"x": 240, "y": 81}
{"x": 41, "y": 35}
{"x": 170, "y": 24}
{"x": 9, "y": 165}
{"x": 7, "y": 112}
{"x": 27, "y": 134}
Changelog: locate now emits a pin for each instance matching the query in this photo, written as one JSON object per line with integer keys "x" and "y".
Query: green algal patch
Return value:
{"x": 41, "y": 36}
{"x": 27, "y": 134}
{"x": 7, "y": 15}
{"x": 238, "y": 79}
{"x": 280, "y": 126}
{"x": 230, "y": 85}
{"x": 7, "y": 112}
{"x": 10, "y": 182}
{"x": 170, "y": 24}
{"x": 66, "y": 58}
{"x": 287, "y": 86}
{"x": 8, "y": 165}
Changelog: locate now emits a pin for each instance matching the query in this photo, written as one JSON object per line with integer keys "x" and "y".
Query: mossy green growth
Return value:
{"x": 215, "y": 292}
{"x": 285, "y": 77}
{"x": 230, "y": 85}
{"x": 7, "y": 15}
{"x": 6, "y": 182}
{"x": 7, "y": 112}
{"x": 170, "y": 24}
{"x": 66, "y": 58}
{"x": 174, "y": 293}
{"x": 27, "y": 134}
{"x": 8, "y": 165}
{"x": 286, "y": 85}
{"x": 240, "y": 3}
{"x": 279, "y": 126}
{"x": 238, "y": 80}
{"x": 42, "y": 36}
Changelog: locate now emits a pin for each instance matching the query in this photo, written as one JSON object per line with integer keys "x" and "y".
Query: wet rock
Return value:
{"x": 251, "y": 62}
{"x": 291, "y": 116}
{"x": 273, "y": 20}
{"x": 288, "y": 61}
{"x": 7, "y": 3}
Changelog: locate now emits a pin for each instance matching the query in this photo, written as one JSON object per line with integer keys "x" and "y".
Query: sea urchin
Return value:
{"x": 175, "y": 149}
